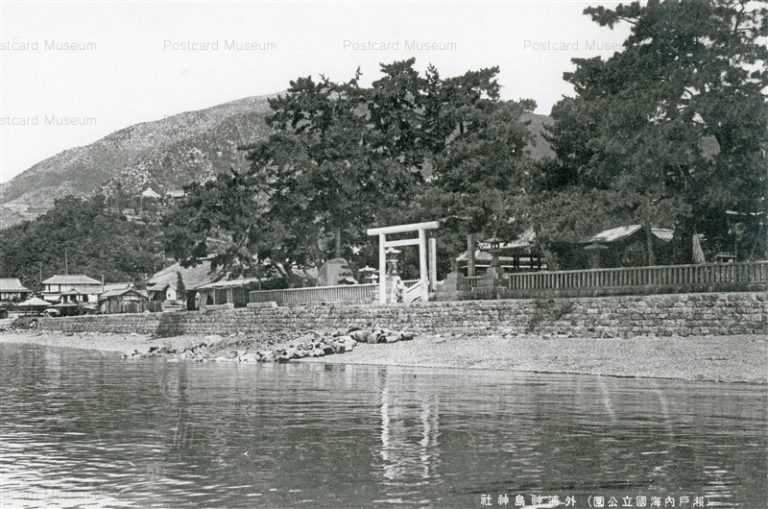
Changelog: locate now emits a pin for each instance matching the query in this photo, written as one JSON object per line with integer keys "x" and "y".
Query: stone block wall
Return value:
{"x": 648, "y": 315}
{"x": 144, "y": 323}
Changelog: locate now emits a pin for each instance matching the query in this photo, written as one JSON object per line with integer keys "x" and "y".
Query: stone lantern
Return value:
{"x": 369, "y": 275}
{"x": 392, "y": 261}
{"x": 494, "y": 247}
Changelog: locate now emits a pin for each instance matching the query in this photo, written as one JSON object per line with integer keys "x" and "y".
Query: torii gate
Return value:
{"x": 425, "y": 276}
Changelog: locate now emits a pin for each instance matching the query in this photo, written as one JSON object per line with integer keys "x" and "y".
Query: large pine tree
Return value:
{"x": 671, "y": 130}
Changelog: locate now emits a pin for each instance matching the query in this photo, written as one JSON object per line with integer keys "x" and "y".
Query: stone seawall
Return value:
{"x": 648, "y": 315}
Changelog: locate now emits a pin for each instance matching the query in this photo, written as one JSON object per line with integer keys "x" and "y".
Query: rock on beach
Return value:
{"x": 243, "y": 349}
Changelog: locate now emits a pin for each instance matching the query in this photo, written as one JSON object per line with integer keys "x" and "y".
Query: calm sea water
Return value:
{"x": 83, "y": 429}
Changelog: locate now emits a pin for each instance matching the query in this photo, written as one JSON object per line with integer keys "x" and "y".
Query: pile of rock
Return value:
{"x": 313, "y": 344}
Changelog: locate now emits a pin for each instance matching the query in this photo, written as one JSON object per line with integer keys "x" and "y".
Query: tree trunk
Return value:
{"x": 471, "y": 254}
{"x": 682, "y": 242}
{"x": 650, "y": 256}
{"x": 337, "y": 252}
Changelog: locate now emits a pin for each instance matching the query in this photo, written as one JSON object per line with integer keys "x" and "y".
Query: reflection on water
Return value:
{"x": 83, "y": 429}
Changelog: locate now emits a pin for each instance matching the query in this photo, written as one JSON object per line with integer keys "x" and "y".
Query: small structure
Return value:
{"x": 169, "y": 288}
{"x": 725, "y": 257}
{"x": 33, "y": 305}
{"x": 427, "y": 272}
{"x": 625, "y": 246}
{"x": 71, "y": 288}
{"x": 622, "y": 233}
{"x": 507, "y": 263}
{"x": 11, "y": 290}
{"x": 228, "y": 294}
{"x": 124, "y": 300}
{"x": 517, "y": 255}
{"x": 335, "y": 271}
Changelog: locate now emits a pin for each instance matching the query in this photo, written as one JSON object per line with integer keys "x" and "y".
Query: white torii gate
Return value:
{"x": 425, "y": 276}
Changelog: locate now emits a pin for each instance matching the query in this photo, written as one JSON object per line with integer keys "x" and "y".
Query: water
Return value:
{"x": 83, "y": 429}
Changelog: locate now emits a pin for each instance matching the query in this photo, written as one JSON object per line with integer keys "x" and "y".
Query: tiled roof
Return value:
{"x": 11, "y": 284}
{"x": 483, "y": 256}
{"x": 108, "y": 287}
{"x": 150, "y": 193}
{"x": 191, "y": 276}
{"x": 121, "y": 291}
{"x": 34, "y": 302}
{"x": 232, "y": 283}
{"x": 525, "y": 239}
{"x": 71, "y": 279}
{"x": 622, "y": 232}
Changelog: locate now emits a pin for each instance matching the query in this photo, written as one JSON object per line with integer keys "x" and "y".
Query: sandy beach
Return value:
{"x": 710, "y": 358}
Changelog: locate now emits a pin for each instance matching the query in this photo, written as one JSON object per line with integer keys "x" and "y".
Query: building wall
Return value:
{"x": 13, "y": 296}
{"x": 53, "y": 292}
{"x": 123, "y": 303}
{"x": 654, "y": 315}
{"x": 94, "y": 289}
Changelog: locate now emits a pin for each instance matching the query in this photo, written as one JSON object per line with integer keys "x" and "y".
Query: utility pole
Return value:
{"x": 66, "y": 262}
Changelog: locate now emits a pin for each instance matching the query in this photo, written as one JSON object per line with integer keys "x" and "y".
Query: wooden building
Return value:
{"x": 518, "y": 255}
{"x": 11, "y": 290}
{"x": 125, "y": 300}
{"x": 627, "y": 246}
{"x": 228, "y": 294}
{"x": 169, "y": 289}
{"x": 72, "y": 289}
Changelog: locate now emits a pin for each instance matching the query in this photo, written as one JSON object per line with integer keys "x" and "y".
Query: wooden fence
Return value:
{"x": 708, "y": 277}
{"x": 341, "y": 294}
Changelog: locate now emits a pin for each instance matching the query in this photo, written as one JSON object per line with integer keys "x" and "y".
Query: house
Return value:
{"x": 11, "y": 290}
{"x": 508, "y": 263}
{"x": 167, "y": 289}
{"x": 72, "y": 289}
{"x": 516, "y": 255}
{"x": 230, "y": 294}
{"x": 33, "y": 305}
{"x": 626, "y": 246}
{"x": 123, "y": 300}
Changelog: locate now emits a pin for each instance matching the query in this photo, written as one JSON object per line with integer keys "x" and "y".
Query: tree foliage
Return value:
{"x": 83, "y": 236}
{"x": 342, "y": 158}
{"x": 675, "y": 121}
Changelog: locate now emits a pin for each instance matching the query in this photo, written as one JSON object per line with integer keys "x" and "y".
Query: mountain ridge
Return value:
{"x": 166, "y": 154}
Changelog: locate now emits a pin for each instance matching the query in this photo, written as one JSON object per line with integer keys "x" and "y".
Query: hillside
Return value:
{"x": 165, "y": 154}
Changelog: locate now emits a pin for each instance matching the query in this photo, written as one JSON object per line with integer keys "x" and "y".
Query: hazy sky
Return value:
{"x": 72, "y": 72}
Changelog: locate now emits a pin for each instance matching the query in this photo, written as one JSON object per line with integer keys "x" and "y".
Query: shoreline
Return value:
{"x": 729, "y": 359}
